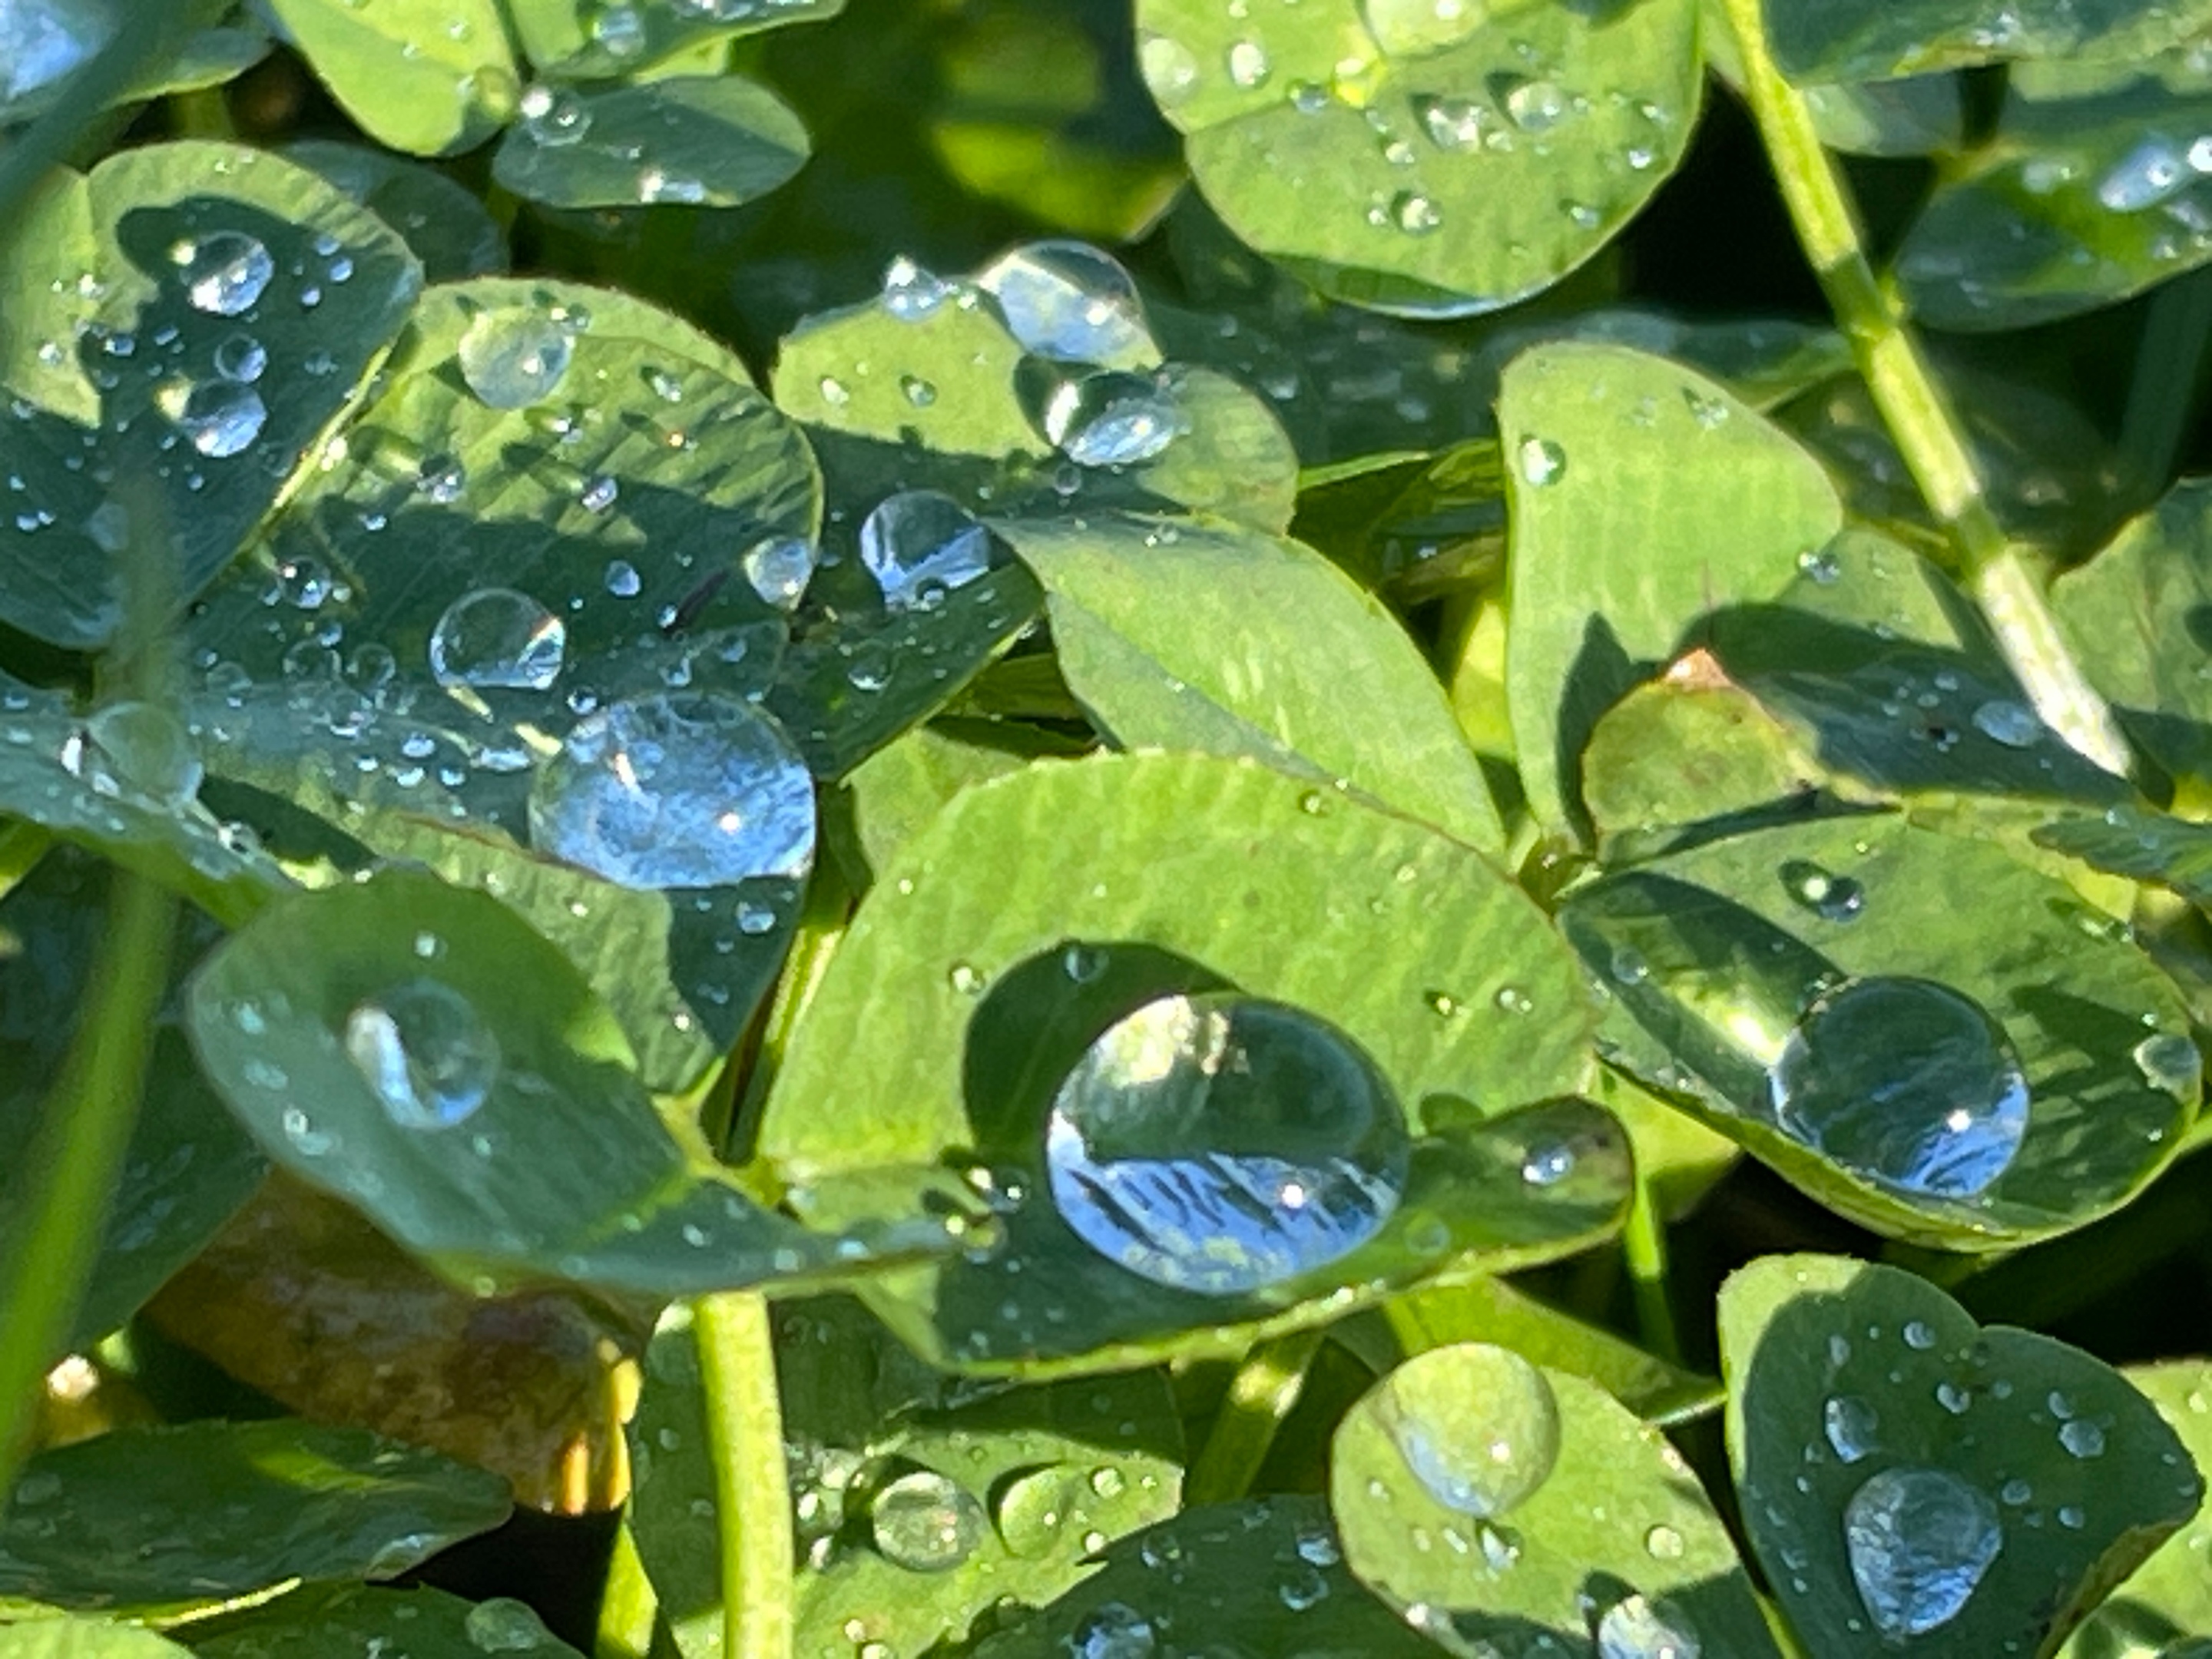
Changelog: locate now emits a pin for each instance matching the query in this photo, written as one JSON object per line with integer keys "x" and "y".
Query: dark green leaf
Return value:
{"x": 2126, "y": 840}
{"x": 443, "y": 225}
{"x": 1867, "y": 39}
{"x": 581, "y": 38}
{"x": 423, "y": 1623}
{"x": 694, "y": 140}
{"x": 1905, "y": 1474}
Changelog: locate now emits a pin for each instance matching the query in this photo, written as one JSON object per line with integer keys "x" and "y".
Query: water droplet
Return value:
{"x": 1454, "y": 123}
{"x": 138, "y": 748}
{"x": 1537, "y": 105}
{"x": 1541, "y": 461}
{"x": 1477, "y": 1425}
{"x": 622, "y": 579}
{"x": 514, "y": 358}
{"x": 1664, "y": 1543}
{"x": 926, "y": 1523}
{"x": 598, "y": 494}
{"x": 224, "y": 273}
{"x": 42, "y": 42}
{"x": 554, "y": 118}
{"x": 2012, "y": 724}
{"x": 620, "y": 30}
{"x": 1918, "y": 1541}
{"x": 1635, "y": 1628}
{"x": 2171, "y": 1062}
{"x": 918, "y": 545}
{"x": 1850, "y": 1424}
{"x": 1415, "y": 214}
{"x": 1113, "y": 418}
{"x": 1906, "y": 1082}
{"x": 1248, "y": 64}
{"x": 441, "y": 478}
{"x": 910, "y": 293}
{"x": 1547, "y": 1164}
{"x": 496, "y": 638}
{"x": 504, "y": 1626}
{"x": 2146, "y": 175}
{"x": 1067, "y": 302}
{"x": 1030, "y": 1509}
{"x": 241, "y": 358}
{"x": 1113, "y": 1631}
{"x": 778, "y": 568}
{"x": 2082, "y": 1437}
{"x": 220, "y": 418}
{"x": 675, "y": 790}
{"x": 425, "y": 1051}
{"x": 1219, "y": 1144}
{"x": 1832, "y": 898}
{"x": 1169, "y": 70}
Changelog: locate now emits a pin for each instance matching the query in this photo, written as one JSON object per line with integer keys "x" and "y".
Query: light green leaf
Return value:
{"x": 697, "y": 141}
{"x": 1643, "y": 498}
{"x": 1213, "y": 638}
{"x": 166, "y": 1520}
{"x": 1870, "y": 40}
{"x": 84, "y": 1638}
{"x": 431, "y": 78}
{"x": 2169, "y": 1596}
{"x": 236, "y": 301}
{"x": 1908, "y": 1475}
{"x": 1430, "y": 164}
{"x": 1720, "y": 958}
{"x": 898, "y": 790}
{"x": 583, "y": 39}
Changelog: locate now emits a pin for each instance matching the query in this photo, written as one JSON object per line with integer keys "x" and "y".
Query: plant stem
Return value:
{"x": 1260, "y": 1395}
{"x": 1913, "y": 405}
{"x": 627, "y": 1605}
{"x": 1643, "y": 1242}
{"x": 752, "y": 1483}
{"x": 67, "y": 1176}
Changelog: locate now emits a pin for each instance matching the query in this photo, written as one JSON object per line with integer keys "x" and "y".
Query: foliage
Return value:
{"x": 1128, "y": 828}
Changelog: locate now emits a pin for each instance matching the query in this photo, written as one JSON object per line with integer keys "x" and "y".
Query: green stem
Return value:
{"x": 752, "y": 1483}
{"x": 1914, "y": 404}
{"x": 1260, "y": 1395}
{"x": 627, "y": 1605}
{"x": 1643, "y": 1242}
{"x": 67, "y": 1176}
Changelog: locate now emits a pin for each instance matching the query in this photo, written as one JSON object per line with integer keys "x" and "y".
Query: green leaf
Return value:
{"x": 2126, "y": 840}
{"x": 2168, "y": 1596}
{"x": 2084, "y": 195}
{"x": 1228, "y": 641}
{"x": 419, "y": 1051}
{"x": 1493, "y": 1310}
{"x": 1644, "y": 497}
{"x": 896, "y": 790}
{"x": 581, "y": 40}
{"x": 1493, "y": 1502}
{"x": 1871, "y": 40}
{"x": 84, "y": 1638}
{"x": 445, "y": 227}
{"x": 188, "y": 1169}
{"x": 431, "y": 78}
{"x": 212, "y": 58}
{"x": 1188, "y": 872}
{"x": 1428, "y": 164}
{"x": 294, "y": 285}
{"x": 161, "y": 1520}
{"x": 2140, "y": 619}
{"x": 424, "y": 1624}
{"x": 699, "y": 140}
{"x": 1906, "y": 1474}
{"x": 1714, "y": 956}
{"x": 1269, "y": 1569}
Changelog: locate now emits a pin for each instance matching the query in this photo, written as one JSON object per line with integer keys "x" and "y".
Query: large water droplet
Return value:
{"x": 1850, "y": 1424}
{"x": 1906, "y": 1082}
{"x": 1114, "y": 1629}
{"x": 1537, "y": 105}
{"x": 138, "y": 748}
{"x": 496, "y": 638}
{"x": 1635, "y": 1628}
{"x": 675, "y": 790}
{"x": 1113, "y": 418}
{"x": 425, "y": 1052}
{"x": 1478, "y": 1425}
{"x": 1407, "y": 28}
{"x": 911, "y": 293}
{"x": 920, "y": 546}
{"x": 42, "y": 42}
{"x": 1032, "y": 1509}
{"x": 514, "y": 358}
{"x": 220, "y": 418}
{"x": 1918, "y": 1541}
{"x": 1067, "y": 301}
{"x": 2154, "y": 170}
{"x": 223, "y": 273}
{"x": 1248, "y": 64}
{"x": 1222, "y": 1143}
{"x": 926, "y": 1523}
{"x": 778, "y": 568}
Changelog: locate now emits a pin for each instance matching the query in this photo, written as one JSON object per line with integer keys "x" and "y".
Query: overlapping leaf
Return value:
{"x": 692, "y": 140}
{"x": 426, "y": 77}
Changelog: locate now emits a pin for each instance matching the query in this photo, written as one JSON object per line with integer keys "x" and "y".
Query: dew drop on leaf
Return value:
{"x": 2169, "y": 1061}
{"x": 241, "y": 358}
{"x": 1918, "y": 1541}
{"x": 1070, "y": 303}
{"x": 1114, "y": 1629}
{"x": 1906, "y": 1082}
{"x": 911, "y": 293}
{"x": 675, "y": 790}
{"x": 2012, "y": 724}
{"x": 1113, "y": 418}
{"x": 496, "y": 638}
{"x": 1541, "y": 461}
{"x": 1477, "y": 1425}
{"x": 1851, "y": 1425}
{"x": 2082, "y": 1438}
{"x": 924, "y": 1522}
{"x": 224, "y": 273}
{"x": 1830, "y": 897}
{"x": 513, "y": 358}
{"x": 778, "y": 568}
{"x": 1219, "y": 1144}
{"x": 1637, "y": 1628}
{"x": 136, "y": 748}
{"x": 219, "y": 417}
{"x": 425, "y": 1051}
{"x": 918, "y": 545}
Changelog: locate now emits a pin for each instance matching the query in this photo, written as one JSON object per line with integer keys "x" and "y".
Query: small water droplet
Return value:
{"x": 1537, "y": 105}
{"x": 1542, "y": 462}
{"x": 1917, "y": 1334}
{"x": 2012, "y": 724}
{"x": 241, "y": 358}
{"x": 1248, "y": 65}
{"x": 926, "y": 1523}
{"x": 1850, "y": 1424}
{"x": 1919, "y": 1540}
{"x": 622, "y": 579}
{"x": 1114, "y": 1629}
{"x": 1415, "y": 213}
{"x": 505, "y": 1626}
{"x": 1664, "y": 1543}
{"x": 2172, "y": 1063}
{"x": 2082, "y": 1438}
{"x": 911, "y": 293}
{"x": 553, "y": 117}
{"x": 224, "y": 274}
{"x": 598, "y": 494}
{"x": 496, "y": 638}
{"x": 1830, "y": 897}
{"x": 425, "y": 1051}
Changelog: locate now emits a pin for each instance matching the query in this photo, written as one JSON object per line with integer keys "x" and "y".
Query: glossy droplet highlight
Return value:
{"x": 926, "y": 1523}
{"x": 1067, "y": 302}
{"x": 1918, "y": 1541}
{"x": 1220, "y": 1144}
{"x": 1636, "y": 1628}
{"x": 1540, "y": 462}
{"x": 1114, "y": 418}
{"x": 778, "y": 568}
{"x": 1830, "y": 897}
{"x": 219, "y": 417}
{"x": 494, "y": 638}
{"x": 1477, "y": 1425}
{"x": 1850, "y": 1424}
{"x": 675, "y": 790}
{"x": 1114, "y": 1629}
{"x": 1906, "y": 1082}
{"x": 425, "y": 1051}
{"x": 512, "y": 359}
{"x": 224, "y": 273}
{"x": 920, "y": 546}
